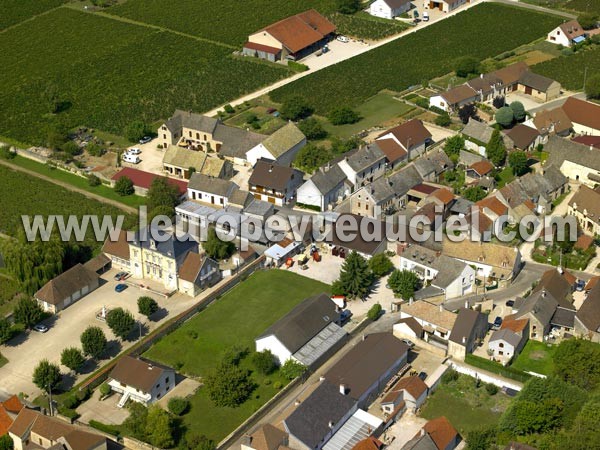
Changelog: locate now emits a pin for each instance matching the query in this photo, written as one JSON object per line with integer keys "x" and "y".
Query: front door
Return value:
{"x": 527, "y": 90}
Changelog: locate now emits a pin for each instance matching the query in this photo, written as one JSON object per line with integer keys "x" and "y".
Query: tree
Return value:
{"x": 295, "y": 108}
{"x": 587, "y": 21}
{"x": 136, "y": 422}
{"x": 380, "y": 265}
{"x": 72, "y": 358}
{"x": 474, "y": 194}
{"x": 292, "y": 369}
{"x": 311, "y": 157}
{"x": 343, "y": 115}
{"x": 499, "y": 102}
{"x": 466, "y": 112}
{"x": 93, "y": 180}
{"x": 120, "y": 321}
{"x": 46, "y": 375}
{"x": 505, "y": 116}
{"x": 199, "y": 442}
{"x": 374, "y": 312}
{"x": 28, "y": 312}
{"x": 135, "y": 131}
{"x": 264, "y": 362}
{"x": 517, "y": 160}
{"x": 229, "y": 385}
{"x": 403, "y": 283}
{"x": 6, "y": 331}
{"x": 348, "y": 6}
{"x": 341, "y": 146}
{"x": 518, "y": 110}
{"x": 443, "y": 120}
{"x": 312, "y": 129}
{"x": 6, "y": 152}
{"x": 466, "y": 65}
{"x": 577, "y": 361}
{"x": 481, "y": 438}
{"x": 592, "y": 86}
{"x": 454, "y": 145}
{"x": 162, "y": 193}
{"x": 147, "y": 306}
{"x": 94, "y": 149}
{"x": 217, "y": 248}
{"x": 495, "y": 150}
{"x": 178, "y": 405}
{"x": 6, "y": 442}
{"x": 355, "y": 277}
{"x": 159, "y": 427}
{"x": 124, "y": 186}
{"x": 93, "y": 342}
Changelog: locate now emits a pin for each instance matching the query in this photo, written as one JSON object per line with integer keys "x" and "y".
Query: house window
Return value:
{"x": 164, "y": 136}
{"x": 366, "y": 207}
{"x": 359, "y": 204}
{"x": 501, "y": 345}
{"x": 190, "y": 133}
{"x": 222, "y": 201}
{"x": 167, "y": 380}
{"x": 158, "y": 385}
{"x": 197, "y": 135}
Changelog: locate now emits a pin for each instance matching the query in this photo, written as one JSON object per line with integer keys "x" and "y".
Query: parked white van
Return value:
{"x": 425, "y": 16}
{"x": 134, "y": 159}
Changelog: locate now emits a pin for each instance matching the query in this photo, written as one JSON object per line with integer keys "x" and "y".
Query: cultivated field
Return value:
{"x": 570, "y": 70}
{"x": 16, "y": 11}
{"x": 236, "y": 319}
{"x": 107, "y": 73}
{"x": 24, "y": 195}
{"x": 227, "y": 21}
{"x": 420, "y": 56}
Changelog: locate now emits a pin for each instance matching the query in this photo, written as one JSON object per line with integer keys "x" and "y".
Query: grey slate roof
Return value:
{"x": 589, "y": 312}
{"x": 563, "y": 317}
{"x": 448, "y": 268}
{"x": 327, "y": 180}
{"x": 540, "y": 304}
{"x": 506, "y": 335}
{"x": 191, "y": 120}
{"x": 467, "y": 158}
{"x": 303, "y": 322}
{"x": 365, "y": 157}
{"x": 309, "y": 423}
{"x": 396, "y": 185}
{"x": 425, "y": 167}
{"x": 217, "y": 186}
{"x": 274, "y": 176}
{"x": 465, "y": 324}
{"x": 235, "y": 141}
{"x": 563, "y": 149}
{"x": 461, "y": 206}
{"x": 171, "y": 246}
{"x": 420, "y": 443}
{"x": 478, "y": 130}
{"x": 535, "y": 81}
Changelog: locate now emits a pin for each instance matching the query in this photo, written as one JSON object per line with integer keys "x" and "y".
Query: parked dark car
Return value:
{"x": 497, "y": 323}
{"x": 40, "y": 328}
{"x": 121, "y": 276}
{"x": 120, "y": 287}
{"x": 580, "y": 285}
{"x": 510, "y": 303}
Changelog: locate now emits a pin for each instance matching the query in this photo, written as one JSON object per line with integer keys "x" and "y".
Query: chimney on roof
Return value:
{"x": 481, "y": 75}
{"x": 331, "y": 424}
{"x": 150, "y": 367}
{"x": 464, "y": 340}
{"x": 441, "y": 307}
{"x": 411, "y": 300}
{"x": 422, "y": 431}
{"x": 364, "y": 337}
{"x": 544, "y": 292}
{"x": 270, "y": 168}
{"x": 321, "y": 378}
{"x": 467, "y": 304}
{"x": 343, "y": 389}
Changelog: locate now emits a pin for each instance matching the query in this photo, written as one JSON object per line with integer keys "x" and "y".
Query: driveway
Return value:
{"x": 25, "y": 351}
{"x": 403, "y": 431}
{"x": 151, "y": 158}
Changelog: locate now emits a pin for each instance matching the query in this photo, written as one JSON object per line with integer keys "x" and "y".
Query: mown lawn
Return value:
{"x": 236, "y": 319}
{"x": 77, "y": 181}
{"x": 466, "y": 406}
{"x": 536, "y": 357}
{"x": 375, "y": 111}
{"x": 428, "y": 53}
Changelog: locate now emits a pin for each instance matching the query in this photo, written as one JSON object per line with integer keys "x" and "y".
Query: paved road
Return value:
{"x": 558, "y": 102}
{"x": 538, "y": 8}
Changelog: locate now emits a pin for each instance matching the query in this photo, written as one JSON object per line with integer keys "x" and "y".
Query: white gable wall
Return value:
{"x": 255, "y": 153}
{"x": 275, "y": 346}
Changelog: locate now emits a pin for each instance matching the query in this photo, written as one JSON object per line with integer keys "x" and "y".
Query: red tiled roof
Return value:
{"x": 441, "y": 432}
{"x": 482, "y": 167}
{"x": 409, "y": 134}
{"x": 5, "y": 421}
{"x": 516, "y": 325}
{"x": 393, "y": 151}
{"x": 593, "y": 282}
{"x": 424, "y": 188}
{"x": 594, "y": 141}
{"x": 262, "y": 48}
{"x": 13, "y": 405}
{"x": 572, "y": 29}
{"x": 144, "y": 179}
{"x": 369, "y": 443}
{"x": 300, "y": 31}
{"x": 493, "y": 204}
{"x": 444, "y": 195}
{"x": 582, "y": 112}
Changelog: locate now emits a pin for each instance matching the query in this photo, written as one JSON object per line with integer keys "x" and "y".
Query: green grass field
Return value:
{"x": 536, "y": 357}
{"x": 374, "y": 111}
{"x": 236, "y": 319}
{"x": 16, "y": 11}
{"x": 570, "y": 70}
{"x": 77, "y": 181}
{"x": 464, "y": 405}
{"x": 227, "y": 21}
{"x": 423, "y": 55}
{"x": 108, "y": 73}
{"x": 25, "y": 195}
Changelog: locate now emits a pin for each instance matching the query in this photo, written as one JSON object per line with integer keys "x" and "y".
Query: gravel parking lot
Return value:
{"x": 151, "y": 158}
{"x": 26, "y": 350}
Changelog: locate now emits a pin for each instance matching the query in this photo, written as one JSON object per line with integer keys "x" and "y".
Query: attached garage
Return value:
{"x": 67, "y": 288}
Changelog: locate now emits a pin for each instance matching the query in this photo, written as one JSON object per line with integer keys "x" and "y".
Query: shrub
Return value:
{"x": 6, "y": 152}
{"x": 292, "y": 369}
{"x": 295, "y": 108}
{"x": 467, "y": 65}
{"x": 124, "y": 186}
{"x": 277, "y": 385}
{"x": 264, "y": 362}
{"x": 443, "y": 120}
{"x": 70, "y": 402}
{"x": 491, "y": 389}
{"x": 229, "y": 109}
{"x": 233, "y": 355}
{"x": 312, "y": 128}
{"x": 105, "y": 389}
{"x": 449, "y": 376}
{"x": 178, "y": 405}
{"x": 422, "y": 102}
{"x": 93, "y": 180}
{"x": 374, "y": 312}
{"x": 343, "y": 115}
{"x": 297, "y": 67}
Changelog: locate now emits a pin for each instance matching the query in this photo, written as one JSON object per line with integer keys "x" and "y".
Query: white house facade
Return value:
{"x": 389, "y": 9}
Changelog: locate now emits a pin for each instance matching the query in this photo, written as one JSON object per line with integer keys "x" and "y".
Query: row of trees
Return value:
{"x": 357, "y": 276}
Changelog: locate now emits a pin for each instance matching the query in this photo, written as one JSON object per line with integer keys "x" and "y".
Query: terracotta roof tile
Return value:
{"x": 369, "y": 443}
{"x": 5, "y": 421}
{"x": 144, "y": 179}
{"x": 482, "y": 167}
{"x": 441, "y": 431}
{"x": 516, "y": 325}
{"x": 493, "y": 204}
{"x": 582, "y": 112}
{"x": 13, "y": 405}
{"x": 118, "y": 248}
{"x": 409, "y": 134}
{"x": 444, "y": 195}
{"x": 393, "y": 151}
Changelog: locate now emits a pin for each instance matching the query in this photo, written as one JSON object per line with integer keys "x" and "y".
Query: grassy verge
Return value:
{"x": 496, "y": 368}
{"x": 76, "y": 181}
{"x": 535, "y": 357}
